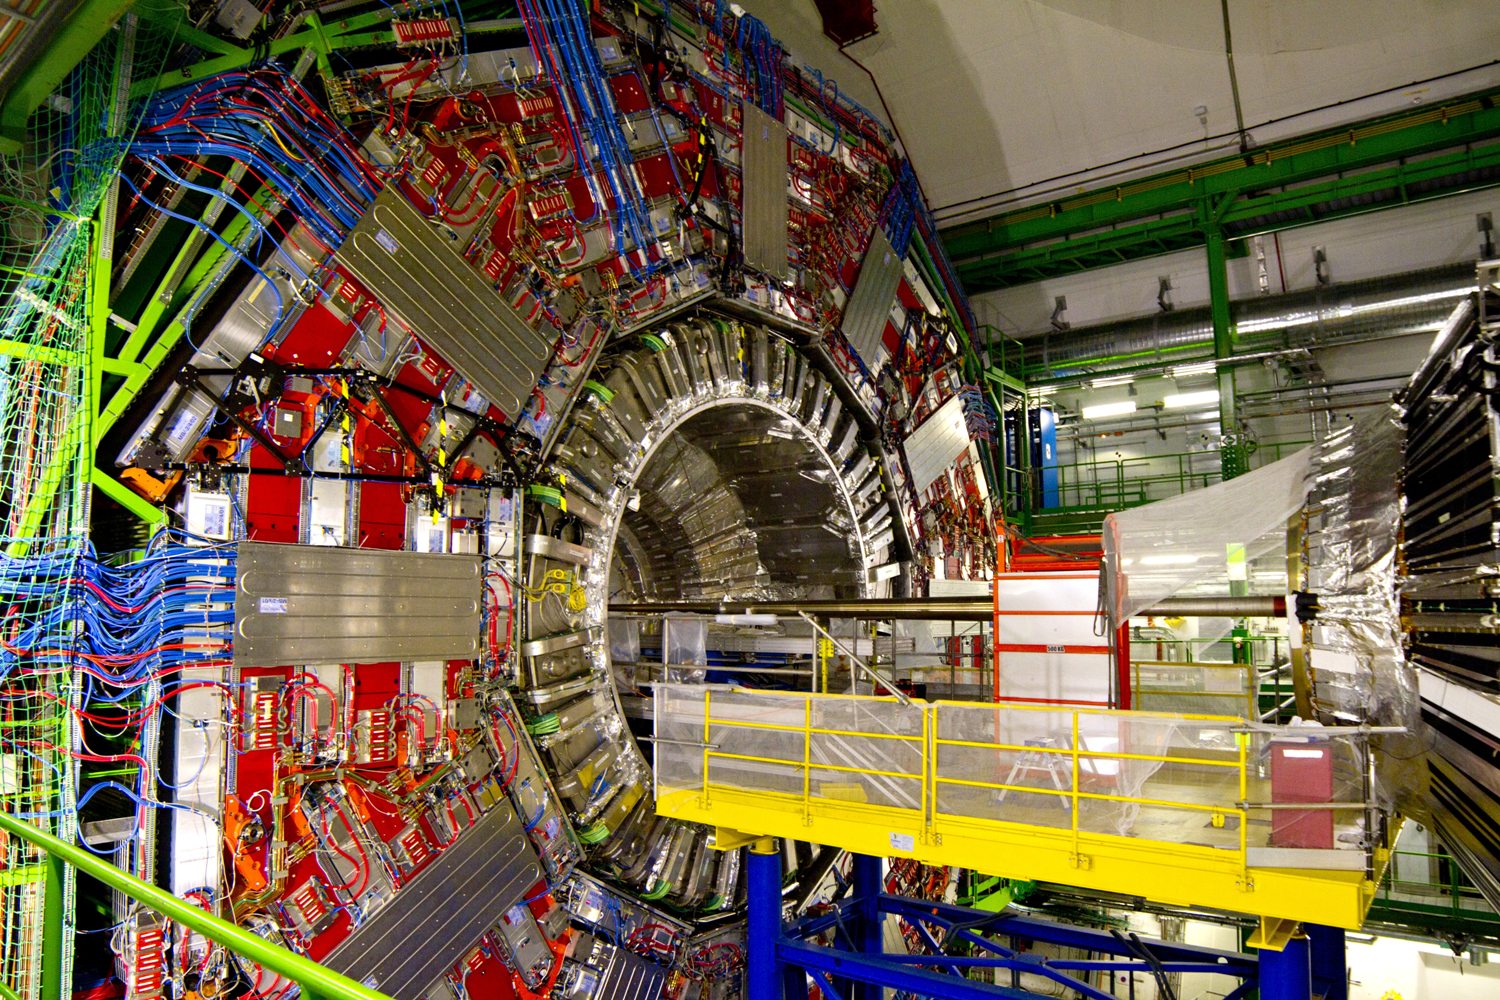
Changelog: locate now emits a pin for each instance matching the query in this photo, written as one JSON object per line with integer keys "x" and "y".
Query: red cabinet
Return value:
{"x": 1302, "y": 771}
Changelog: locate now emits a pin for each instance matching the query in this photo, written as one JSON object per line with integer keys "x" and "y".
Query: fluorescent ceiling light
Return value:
{"x": 1179, "y": 400}
{"x": 1105, "y": 383}
{"x": 1108, "y": 409}
{"x": 1169, "y": 560}
{"x": 1196, "y": 368}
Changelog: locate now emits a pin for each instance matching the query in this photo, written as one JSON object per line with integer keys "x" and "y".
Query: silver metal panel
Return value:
{"x": 870, "y": 304}
{"x": 176, "y": 423}
{"x": 308, "y": 604}
{"x": 554, "y": 548}
{"x": 764, "y": 173}
{"x": 629, "y": 977}
{"x": 440, "y": 914}
{"x": 934, "y": 446}
{"x": 553, "y": 643}
{"x": 421, "y": 279}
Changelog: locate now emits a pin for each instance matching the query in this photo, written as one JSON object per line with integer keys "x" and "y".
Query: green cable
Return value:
{"x": 550, "y": 495}
{"x": 661, "y": 888}
{"x": 543, "y": 725}
{"x": 594, "y": 833}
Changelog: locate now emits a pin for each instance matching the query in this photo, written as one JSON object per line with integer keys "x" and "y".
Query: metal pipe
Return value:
{"x": 1324, "y": 315}
{"x": 1295, "y": 806}
{"x": 964, "y": 609}
{"x": 1320, "y": 731}
{"x": 875, "y": 676}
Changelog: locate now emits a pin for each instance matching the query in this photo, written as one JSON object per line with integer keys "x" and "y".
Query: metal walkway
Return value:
{"x": 1171, "y": 808}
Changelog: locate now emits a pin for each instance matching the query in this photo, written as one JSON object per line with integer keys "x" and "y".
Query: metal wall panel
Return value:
{"x": 764, "y": 175}
{"x": 309, "y": 604}
{"x": 874, "y": 294}
{"x": 440, "y": 914}
{"x": 421, "y": 280}
{"x": 629, "y": 977}
{"x": 934, "y": 446}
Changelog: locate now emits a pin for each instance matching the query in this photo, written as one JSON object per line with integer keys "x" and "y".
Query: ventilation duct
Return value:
{"x": 1324, "y": 316}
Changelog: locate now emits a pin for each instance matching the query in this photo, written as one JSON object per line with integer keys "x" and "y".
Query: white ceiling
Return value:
{"x": 1025, "y": 98}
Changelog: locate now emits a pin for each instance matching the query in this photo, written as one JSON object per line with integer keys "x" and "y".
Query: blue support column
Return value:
{"x": 869, "y": 882}
{"x": 1330, "y": 967}
{"x": 763, "y": 930}
{"x": 1287, "y": 974}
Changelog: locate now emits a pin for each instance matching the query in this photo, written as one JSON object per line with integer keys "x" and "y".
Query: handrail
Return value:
{"x": 1075, "y": 771}
{"x": 318, "y": 982}
{"x": 1102, "y": 483}
{"x": 875, "y": 675}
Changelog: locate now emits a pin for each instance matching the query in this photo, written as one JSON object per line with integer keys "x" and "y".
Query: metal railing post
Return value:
{"x": 807, "y": 761}
{"x": 1076, "y": 823}
{"x": 707, "y": 743}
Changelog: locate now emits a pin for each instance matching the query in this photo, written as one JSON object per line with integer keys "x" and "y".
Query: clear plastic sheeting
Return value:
{"x": 1198, "y": 542}
{"x": 624, "y": 640}
{"x": 839, "y": 749}
{"x": 1037, "y": 766}
{"x": 1205, "y": 687}
{"x": 684, "y": 644}
{"x": 1178, "y": 779}
{"x": 1358, "y": 671}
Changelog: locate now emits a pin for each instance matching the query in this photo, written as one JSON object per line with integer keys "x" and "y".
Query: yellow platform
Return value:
{"x": 1176, "y": 824}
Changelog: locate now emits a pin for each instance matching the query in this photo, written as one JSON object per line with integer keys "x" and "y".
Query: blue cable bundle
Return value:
{"x": 263, "y": 120}
{"x": 762, "y": 54}
{"x": 120, "y": 626}
{"x": 561, "y": 38}
{"x": 899, "y": 213}
{"x": 979, "y": 415}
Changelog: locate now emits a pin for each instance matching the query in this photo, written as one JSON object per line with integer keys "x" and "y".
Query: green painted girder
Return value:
{"x": 1303, "y": 174}
{"x": 83, "y": 29}
{"x": 322, "y": 39}
{"x": 316, "y": 981}
{"x": 1401, "y": 184}
{"x": 1082, "y": 253}
{"x": 1445, "y": 922}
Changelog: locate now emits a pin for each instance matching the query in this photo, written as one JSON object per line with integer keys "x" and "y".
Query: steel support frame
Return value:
{"x": 83, "y": 29}
{"x": 314, "y": 979}
{"x": 783, "y": 957}
{"x": 1367, "y": 166}
{"x": 1232, "y": 461}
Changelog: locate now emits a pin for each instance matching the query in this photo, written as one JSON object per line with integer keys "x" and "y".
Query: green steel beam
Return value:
{"x": 75, "y": 39}
{"x": 54, "y": 978}
{"x": 315, "y": 979}
{"x": 1446, "y": 923}
{"x": 38, "y": 352}
{"x": 321, "y": 38}
{"x": 1402, "y": 184}
{"x": 1316, "y": 176}
{"x": 126, "y": 497}
{"x": 1231, "y": 449}
{"x": 1082, "y": 253}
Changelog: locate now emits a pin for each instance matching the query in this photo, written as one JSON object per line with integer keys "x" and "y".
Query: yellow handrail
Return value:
{"x": 1076, "y": 760}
